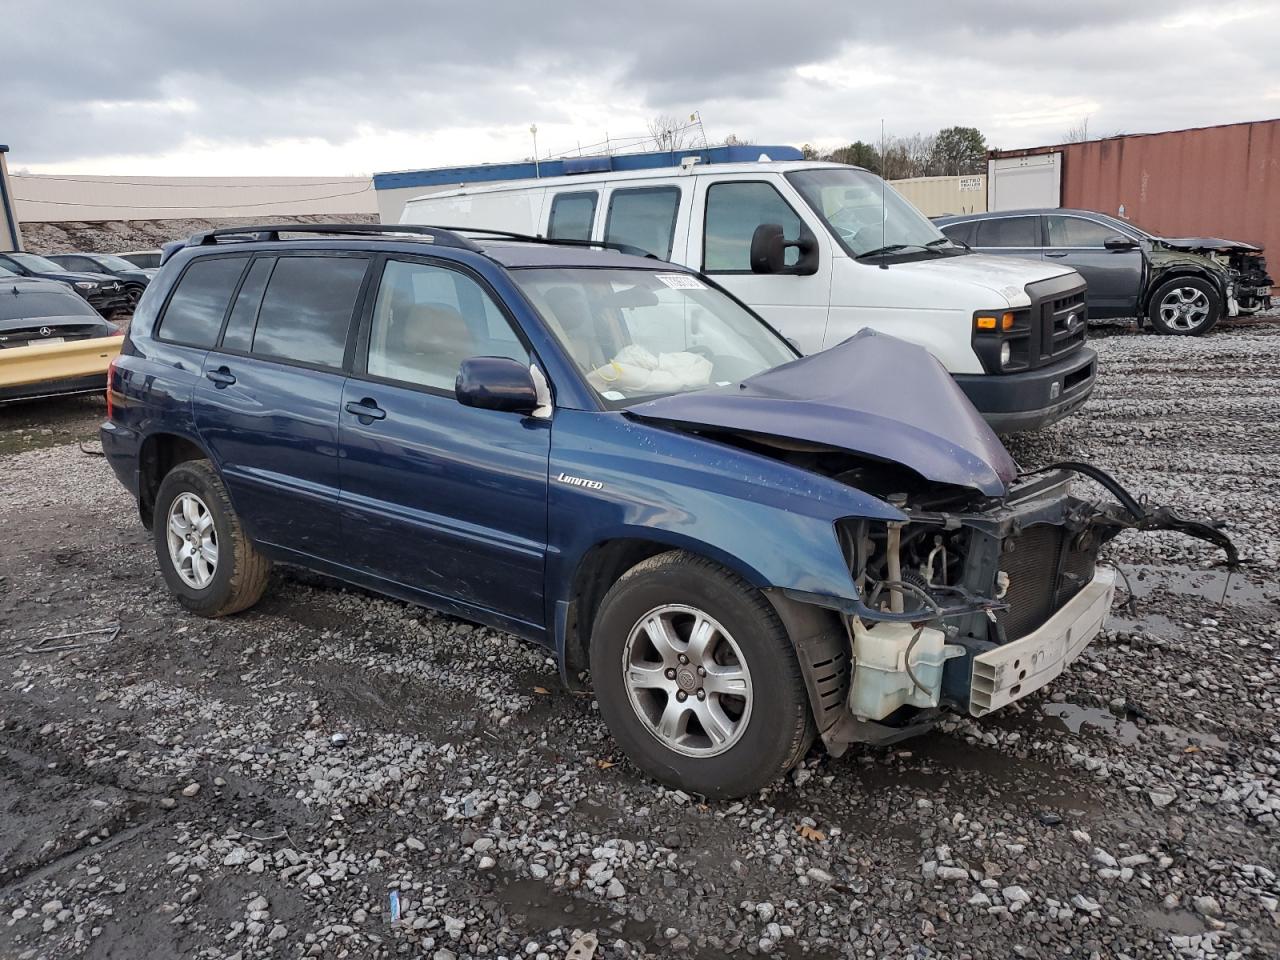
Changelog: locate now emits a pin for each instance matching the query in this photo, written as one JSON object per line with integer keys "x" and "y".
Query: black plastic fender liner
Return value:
{"x": 823, "y": 648}
{"x": 1144, "y": 517}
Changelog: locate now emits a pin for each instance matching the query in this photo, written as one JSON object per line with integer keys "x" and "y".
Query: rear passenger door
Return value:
{"x": 1009, "y": 236}
{"x": 446, "y": 500}
{"x": 268, "y": 403}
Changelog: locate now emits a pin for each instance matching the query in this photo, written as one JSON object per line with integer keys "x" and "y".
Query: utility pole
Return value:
{"x": 533, "y": 129}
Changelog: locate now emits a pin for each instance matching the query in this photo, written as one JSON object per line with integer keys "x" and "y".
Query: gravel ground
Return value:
{"x": 175, "y": 788}
{"x": 123, "y": 236}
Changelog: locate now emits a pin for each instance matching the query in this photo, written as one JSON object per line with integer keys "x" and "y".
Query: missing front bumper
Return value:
{"x": 1013, "y": 670}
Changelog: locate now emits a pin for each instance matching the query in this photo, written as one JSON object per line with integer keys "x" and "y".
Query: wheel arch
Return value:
{"x": 1178, "y": 272}
{"x": 158, "y": 454}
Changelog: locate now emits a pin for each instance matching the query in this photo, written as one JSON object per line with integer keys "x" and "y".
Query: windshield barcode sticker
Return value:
{"x": 681, "y": 281}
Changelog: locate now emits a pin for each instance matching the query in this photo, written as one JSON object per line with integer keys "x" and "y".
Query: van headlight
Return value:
{"x": 1006, "y": 353}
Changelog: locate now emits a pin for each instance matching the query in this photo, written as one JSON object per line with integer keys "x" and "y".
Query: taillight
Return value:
{"x": 111, "y": 372}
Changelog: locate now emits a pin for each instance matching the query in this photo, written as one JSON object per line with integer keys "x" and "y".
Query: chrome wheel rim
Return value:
{"x": 1184, "y": 308}
{"x": 193, "y": 540}
{"x": 687, "y": 681}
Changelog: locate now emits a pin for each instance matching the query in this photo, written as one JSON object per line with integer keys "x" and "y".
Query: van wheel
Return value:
{"x": 697, "y": 679}
{"x": 1185, "y": 307}
{"x": 207, "y": 561}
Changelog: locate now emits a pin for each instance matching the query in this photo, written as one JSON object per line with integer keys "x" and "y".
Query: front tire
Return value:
{"x": 210, "y": 565}
{"x": 1185, "y": 307}
{"x": 697, "y": 679}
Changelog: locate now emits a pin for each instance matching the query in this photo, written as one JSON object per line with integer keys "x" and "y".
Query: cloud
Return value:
{"x": 248, "y": 87}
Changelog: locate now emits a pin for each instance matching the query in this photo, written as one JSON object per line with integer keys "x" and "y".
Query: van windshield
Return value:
{"x": 865, "y": 214}
{"x": 643, "y": 333}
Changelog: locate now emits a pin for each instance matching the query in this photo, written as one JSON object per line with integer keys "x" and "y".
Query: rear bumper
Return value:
{"x": 1023, "y": 666}
{"x": 1036, "y": 398}
{"x": 94, "y": 383}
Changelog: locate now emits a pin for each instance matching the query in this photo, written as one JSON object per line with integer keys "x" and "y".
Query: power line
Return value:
{"x": 36, "y": 177}
{"x": 184, "y": 206}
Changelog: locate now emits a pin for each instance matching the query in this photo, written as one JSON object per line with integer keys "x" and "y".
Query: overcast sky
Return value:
{"x": 273, "y": 88}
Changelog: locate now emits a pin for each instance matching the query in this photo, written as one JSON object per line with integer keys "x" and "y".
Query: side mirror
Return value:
{"x": 496, "y": 383}
{"x": 1119, "y": 243}
{"x": 769, "y": 251}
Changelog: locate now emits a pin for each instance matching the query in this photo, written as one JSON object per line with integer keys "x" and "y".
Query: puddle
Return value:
{"x": 1181, "y": 922}
{"x": 545, "y": 908}
{"x": 1146, "y": 579}
{"x": 1094, "y": 721}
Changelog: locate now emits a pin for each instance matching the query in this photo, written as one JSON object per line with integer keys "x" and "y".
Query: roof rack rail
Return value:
{"x": 551, "y": 241}
{"x": 441, "y": 236}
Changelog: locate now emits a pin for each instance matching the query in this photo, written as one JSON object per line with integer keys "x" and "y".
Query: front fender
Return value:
{"x": 773, "y": 524}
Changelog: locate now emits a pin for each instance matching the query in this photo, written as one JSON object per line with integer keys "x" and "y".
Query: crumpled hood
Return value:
{"x": 1208, "y": 243}
{"x": 873, "y": 395}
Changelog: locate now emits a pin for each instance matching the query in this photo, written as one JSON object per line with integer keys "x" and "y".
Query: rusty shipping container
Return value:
{"x": 1219, "y": 181}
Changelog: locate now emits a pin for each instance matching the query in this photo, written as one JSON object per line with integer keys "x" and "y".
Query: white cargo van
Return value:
{"x": 822, "y": 250}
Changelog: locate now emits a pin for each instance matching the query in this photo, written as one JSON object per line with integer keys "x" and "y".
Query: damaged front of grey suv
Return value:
{"x": 980, "y": 583}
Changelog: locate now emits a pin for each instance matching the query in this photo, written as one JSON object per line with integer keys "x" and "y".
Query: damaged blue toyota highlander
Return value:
{"x": 610, "y": 456}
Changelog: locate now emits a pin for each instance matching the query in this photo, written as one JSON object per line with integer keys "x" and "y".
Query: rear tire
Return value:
{"x": 743, "y": 720}
{"x": 210, "y": 565}
{"x": 1185, "y": 307}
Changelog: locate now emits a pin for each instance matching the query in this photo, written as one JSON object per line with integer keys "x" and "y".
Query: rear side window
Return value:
{"x": 571, "y": 216}
{"x": 734, "y": 210}
{"x": 645, "y": 218}
{"x": 306, "y": 310}
{"x": 1077, "y": 232}
{"x": 195, "y": 311}
{"x": 1009, "y": 232}
{"x": 244, "y": 315}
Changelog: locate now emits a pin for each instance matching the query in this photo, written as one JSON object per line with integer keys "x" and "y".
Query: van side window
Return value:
{"x": 644, "y": 217}
{"x": 428, "y": 319}
{"x": 195, "y": 311}
{"x": 734, "y": 210}
{"x": 244, "y": 315}
{"x": 306, "y": 310}
{"x": 1009, "y": 232}
{"x": 572, "y": 215}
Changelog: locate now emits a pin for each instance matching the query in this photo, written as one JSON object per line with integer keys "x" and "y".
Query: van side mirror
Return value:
{"x": 769, "y": 251}
{"x": 1119, "y": 243}
{"x": 496, "y": 383}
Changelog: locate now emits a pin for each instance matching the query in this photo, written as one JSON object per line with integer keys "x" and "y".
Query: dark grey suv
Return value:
{"x": 1180, "y": 285}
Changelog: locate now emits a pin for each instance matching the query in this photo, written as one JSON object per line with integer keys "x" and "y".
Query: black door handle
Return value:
{"x": 222, "y": 377}
{"x": 367, "y": 409}
{"x": 1056, "y": 255}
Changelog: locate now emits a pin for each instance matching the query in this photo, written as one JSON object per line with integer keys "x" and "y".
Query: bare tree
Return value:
{"x": 1079, "y": 133}
{"x": 733, "y": 140}
{"x": 668, "y": 133}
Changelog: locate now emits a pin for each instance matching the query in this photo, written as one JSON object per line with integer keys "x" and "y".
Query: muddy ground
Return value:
{"x": 170, "y": 787}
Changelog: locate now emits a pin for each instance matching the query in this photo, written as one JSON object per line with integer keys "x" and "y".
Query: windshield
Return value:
{"x": 39, "y": 264}
{"x": 864, "y": 213}
{"x": 114, "y": 263}
{"x": 641, "y": 333}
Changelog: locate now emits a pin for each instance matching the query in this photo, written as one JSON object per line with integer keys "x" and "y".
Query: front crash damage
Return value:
{"x": 1248, "y": 286}
{"x": 988, "y": 587}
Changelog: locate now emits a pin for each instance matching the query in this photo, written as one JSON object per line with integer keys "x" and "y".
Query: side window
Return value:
{"x": 81, "y": 263}
{"x": 1009, "y": 232}
{"x": 959, "y": 232}
{"x": 734, "y": 210}
{"x": 644, "y": 217}
{"x": 195, "y": 311}
{"x": 572, "y": 215}
{"x": 306, "y": 310}
{"x": 428, "y": 319}
{"x": 244, "y": 315}
{"x": 1077, "y": 232}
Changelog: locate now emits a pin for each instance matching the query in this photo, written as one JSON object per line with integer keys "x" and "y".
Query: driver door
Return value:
{"x": 726, "y": 213}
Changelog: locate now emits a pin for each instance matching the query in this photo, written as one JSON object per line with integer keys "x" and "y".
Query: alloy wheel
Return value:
{"x": 687, "y": 680}
{"x": 193, "y": 540}
{"x": 1184, "y": 308}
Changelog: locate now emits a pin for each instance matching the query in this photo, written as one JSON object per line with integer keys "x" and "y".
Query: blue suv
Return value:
{"x": 613, "y": 457}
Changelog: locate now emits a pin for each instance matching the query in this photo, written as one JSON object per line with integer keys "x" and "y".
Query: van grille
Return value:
{"x": 1042, "y": 577}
